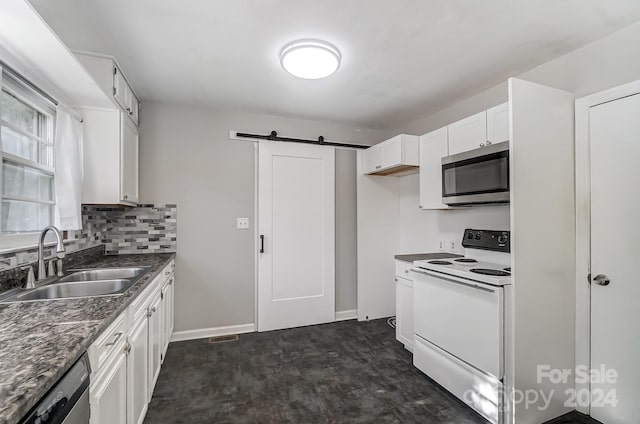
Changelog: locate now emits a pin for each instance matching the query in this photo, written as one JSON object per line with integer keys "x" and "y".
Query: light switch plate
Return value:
{"x": 243, "y": 223}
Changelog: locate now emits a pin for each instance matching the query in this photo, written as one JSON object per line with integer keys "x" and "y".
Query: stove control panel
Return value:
{"x": 497, "y": 241}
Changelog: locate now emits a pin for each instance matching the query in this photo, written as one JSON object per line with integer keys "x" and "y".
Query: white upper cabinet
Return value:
{"x": 397, "y": 156}
{"x": 110, "y": 158}
{"x": 498, "y": 124}
{"x": 128, "y": 162}
{"x": 468, "y": 134}
{"x": 433, "y": 147}
{"x": 110, "y": 137}
{"x": 112, "y": 81}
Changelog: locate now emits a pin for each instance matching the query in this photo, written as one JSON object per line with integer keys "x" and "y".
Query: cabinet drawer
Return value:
{"x": 403, "y": 269}
{"x": 108, "y": 342}
{"x": 168, "y": 270}
{"x": 139, "y": 305}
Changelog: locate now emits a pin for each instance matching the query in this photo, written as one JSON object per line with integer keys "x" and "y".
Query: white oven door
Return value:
{"x": 461, "y": 317}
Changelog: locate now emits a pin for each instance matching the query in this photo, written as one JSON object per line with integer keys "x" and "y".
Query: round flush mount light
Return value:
{"x": 310, "y": 59}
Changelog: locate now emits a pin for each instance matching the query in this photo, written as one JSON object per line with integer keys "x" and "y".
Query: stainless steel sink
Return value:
{"x": 82, "y": 283}
{"x": 104, "y": 274}
{"x": 75, "y": 289}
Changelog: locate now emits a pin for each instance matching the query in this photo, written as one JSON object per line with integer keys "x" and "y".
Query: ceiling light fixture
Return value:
{"x": 310, "y": 59}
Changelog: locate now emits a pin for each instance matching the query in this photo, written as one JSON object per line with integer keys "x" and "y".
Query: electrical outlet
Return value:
{"x": 441, "y": 246}
{"x": 452, "y": 246}
{"x": 243, "y": 223}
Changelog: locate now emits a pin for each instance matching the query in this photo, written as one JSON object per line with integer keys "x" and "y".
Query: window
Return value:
{"x": 26, "y": 140}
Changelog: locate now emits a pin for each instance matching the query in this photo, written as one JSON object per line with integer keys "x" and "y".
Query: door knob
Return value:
{"x": 601, "y": 280}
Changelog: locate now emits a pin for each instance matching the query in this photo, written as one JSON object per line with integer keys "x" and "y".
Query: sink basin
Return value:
{"x": 76, "y": 289}
{"x": 104, "y": 274}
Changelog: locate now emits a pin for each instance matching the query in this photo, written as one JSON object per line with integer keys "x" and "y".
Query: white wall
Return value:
{"x": 186, "y": 158}
{"x": 421, "y": 230}
{"x": 604, "y": 63}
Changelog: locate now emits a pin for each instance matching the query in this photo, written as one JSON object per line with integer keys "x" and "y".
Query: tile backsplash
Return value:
{"x": 145, "y": 229}
{"x": 122, "y": 230}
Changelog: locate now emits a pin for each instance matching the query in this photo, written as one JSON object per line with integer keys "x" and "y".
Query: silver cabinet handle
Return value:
{"x": 115, "y": 340}
{"x": 601, "y": 280}
{"x": 126, "y": 197}
{"x": 488, "y": 143}
{"x": 481, "y": 144}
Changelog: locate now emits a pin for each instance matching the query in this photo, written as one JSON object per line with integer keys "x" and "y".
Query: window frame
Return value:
{"x": 14, "y": 85}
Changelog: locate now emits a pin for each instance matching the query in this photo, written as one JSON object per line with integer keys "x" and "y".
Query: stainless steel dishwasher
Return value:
{"x": 68, "y": 401}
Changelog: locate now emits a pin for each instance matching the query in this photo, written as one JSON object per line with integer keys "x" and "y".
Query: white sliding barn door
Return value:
{"x": 296, "y": 226}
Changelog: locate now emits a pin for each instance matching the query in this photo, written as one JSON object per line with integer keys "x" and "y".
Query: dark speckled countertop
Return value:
{"x": 426, "y": 256}
{"x": 39, "y": 341}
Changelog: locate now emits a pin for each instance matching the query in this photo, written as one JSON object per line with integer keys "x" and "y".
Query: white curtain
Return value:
{"x": 68, "y": 169}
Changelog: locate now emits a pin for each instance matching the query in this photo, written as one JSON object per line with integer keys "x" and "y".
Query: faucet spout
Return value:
{"x": 42, "y": 271}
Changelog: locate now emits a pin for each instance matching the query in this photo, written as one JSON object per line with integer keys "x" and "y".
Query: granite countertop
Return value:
{"x": 426, "y": 256}
{"x": 40, "y": 341}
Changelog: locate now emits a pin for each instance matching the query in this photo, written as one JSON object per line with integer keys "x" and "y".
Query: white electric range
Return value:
{"x": 459, "y": 320}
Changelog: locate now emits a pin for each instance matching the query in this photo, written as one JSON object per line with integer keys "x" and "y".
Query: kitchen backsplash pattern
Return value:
{"x": 143, "y": 229}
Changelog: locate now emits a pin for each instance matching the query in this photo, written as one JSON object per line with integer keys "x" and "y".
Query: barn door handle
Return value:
{"x": 261, "y": 243}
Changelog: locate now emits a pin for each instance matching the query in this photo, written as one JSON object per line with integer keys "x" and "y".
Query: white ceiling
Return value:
{"x": 402, "y": 59}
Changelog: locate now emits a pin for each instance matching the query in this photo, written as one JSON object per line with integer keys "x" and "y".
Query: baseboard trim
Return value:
{"x": 203, "y": 333}
{"x": 346, "y": 315}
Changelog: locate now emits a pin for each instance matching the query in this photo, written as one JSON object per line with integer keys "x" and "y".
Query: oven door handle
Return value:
{"x": 454, "y": 280}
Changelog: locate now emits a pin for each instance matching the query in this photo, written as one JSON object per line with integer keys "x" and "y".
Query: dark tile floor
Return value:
{"x": 574, "y": 418}
{"x": 345, "y": 372}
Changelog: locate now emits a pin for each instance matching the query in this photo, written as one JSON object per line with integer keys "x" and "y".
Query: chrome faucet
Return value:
{"x": 42, "y": 270}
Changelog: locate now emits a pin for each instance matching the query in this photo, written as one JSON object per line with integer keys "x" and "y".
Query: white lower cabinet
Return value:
{"x": 126, "y": 358}
{"x": 155, "y": 339}
{"x": 108, "y": 393}
{"x": 404, "y": 305}
{"x": 137, "y": 371}
{"x": 167, "y": 314}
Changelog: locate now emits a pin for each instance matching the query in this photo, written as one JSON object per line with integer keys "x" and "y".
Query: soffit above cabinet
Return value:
{"x": 42, "y": 57}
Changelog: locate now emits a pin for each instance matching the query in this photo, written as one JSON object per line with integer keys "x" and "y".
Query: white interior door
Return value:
{"x": 615, "y": 231}
{"x": 296, "y": 223}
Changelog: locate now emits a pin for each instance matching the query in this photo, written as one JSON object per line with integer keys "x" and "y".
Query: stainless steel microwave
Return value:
{"x": 477, "y": 177}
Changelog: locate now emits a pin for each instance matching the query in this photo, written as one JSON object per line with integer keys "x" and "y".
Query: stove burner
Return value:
{"x": 466, "y": 261}
{"x": 508, "y": 269}
{"x": 493, "y": 272}
{"x": 440, "y": 263}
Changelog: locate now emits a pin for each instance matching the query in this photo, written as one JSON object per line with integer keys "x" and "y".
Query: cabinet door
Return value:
{"x": 120, "y": 88}
{"x": 468, "y": 134}
{"x": 498, "y": 124}
{"x": 155, "y": 341}
{"x": 433, "y": 147}
{"x": 392, "y": 152}
{"x": 129, "y": 161}
{"x": 135, "y": 106}
{"x": 404, "y": 312}
{"x": 108, "y": 395}
{"x": 138, "y": 371}
{"x": 371, "y": 159}
{"x": 167, "y": 308}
